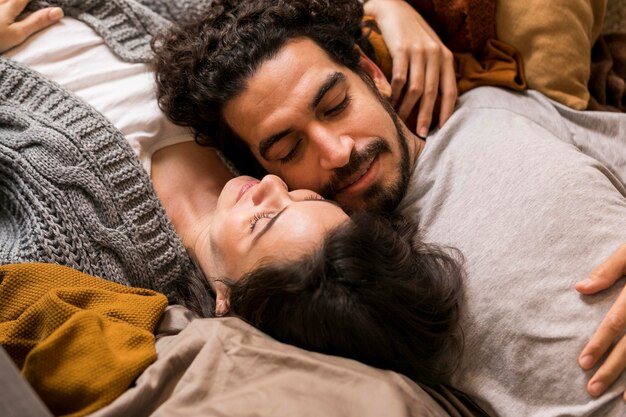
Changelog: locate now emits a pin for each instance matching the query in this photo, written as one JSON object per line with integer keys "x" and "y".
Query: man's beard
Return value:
{"x": 378, "y": 198}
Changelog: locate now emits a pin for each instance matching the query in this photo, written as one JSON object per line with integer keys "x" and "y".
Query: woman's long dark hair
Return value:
{"x": 370, "y": 293}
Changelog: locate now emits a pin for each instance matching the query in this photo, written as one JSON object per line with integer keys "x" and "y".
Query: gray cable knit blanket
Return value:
{"x": 71, "y": 189}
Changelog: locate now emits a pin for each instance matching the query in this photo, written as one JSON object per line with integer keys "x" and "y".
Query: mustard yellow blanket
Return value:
{"x": 80, "y": 341}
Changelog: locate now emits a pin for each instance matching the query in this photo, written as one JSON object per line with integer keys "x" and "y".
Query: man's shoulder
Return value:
{"x": 496, "y": 105}
{"x": 492, "y": 130}
{"x": 528, "y": 103}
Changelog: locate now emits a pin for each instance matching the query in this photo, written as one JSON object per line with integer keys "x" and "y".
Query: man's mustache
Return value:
{"x": 343, "y": 174}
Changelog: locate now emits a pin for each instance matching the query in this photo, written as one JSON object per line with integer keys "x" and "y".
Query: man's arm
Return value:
{"x": 13, "y": 32}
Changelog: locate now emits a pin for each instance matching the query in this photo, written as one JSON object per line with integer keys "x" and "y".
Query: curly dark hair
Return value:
{"x": 370, "y": 293}
{"x": 203, "y": 64}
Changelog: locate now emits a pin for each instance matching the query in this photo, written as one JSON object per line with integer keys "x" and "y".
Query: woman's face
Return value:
{"x": 262, "y": 221}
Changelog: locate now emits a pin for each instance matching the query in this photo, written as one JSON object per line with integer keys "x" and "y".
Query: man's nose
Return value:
{"x": 334, "y": 150}
{"x": 270, "y": 190}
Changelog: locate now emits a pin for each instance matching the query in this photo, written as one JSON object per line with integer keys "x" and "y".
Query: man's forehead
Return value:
{"x": 299, "y": 63}
{"x": 287, "y": 81}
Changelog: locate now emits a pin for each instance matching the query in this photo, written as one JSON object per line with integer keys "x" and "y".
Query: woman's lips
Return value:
{"x": 246, "y": 187}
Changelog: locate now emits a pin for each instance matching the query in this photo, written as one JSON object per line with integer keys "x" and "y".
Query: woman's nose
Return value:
{"x": 270, "y": 189}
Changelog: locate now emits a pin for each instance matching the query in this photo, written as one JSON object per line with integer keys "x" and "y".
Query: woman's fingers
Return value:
{"x": 447, "y": 87}
{"x": 37, "y": 21}
{"x": 414, "y": 88}
{"x": 430, "y": 92}
{"x": 611, "y": 328}
{"x": 13, "y": 7}
{"x": 423, "y": 67}
{"x": 605, "y": 274}
{"x": 610, "y": 370}
{"x": 431, "y": 76}
{"x": 399, "y": 75}
{"x": 12, "y": 32}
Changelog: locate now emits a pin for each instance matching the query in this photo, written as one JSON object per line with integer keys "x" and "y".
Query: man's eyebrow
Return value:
{"x": 268, "y": 225}
{"x": 332, "y": 80}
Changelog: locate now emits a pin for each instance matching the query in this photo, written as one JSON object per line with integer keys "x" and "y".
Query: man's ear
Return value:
{"x": 376, "y": 73}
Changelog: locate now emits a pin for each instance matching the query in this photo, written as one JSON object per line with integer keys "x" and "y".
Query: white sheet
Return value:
{"x": 73, "y": 55}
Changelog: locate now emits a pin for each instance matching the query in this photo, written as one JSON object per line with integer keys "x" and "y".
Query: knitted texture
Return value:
{"x": 127, "y": 26}
{"x": 72, "y": 191}
{"x": 80, "y": 341}
{"x": 178, "y": 11}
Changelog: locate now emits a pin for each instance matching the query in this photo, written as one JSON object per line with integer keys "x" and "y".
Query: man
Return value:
{"x": 198, "y": 104}
{"x": 280, "y": 87}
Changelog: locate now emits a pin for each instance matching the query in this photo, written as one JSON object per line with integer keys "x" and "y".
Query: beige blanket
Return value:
{"x": 224, "y": 367}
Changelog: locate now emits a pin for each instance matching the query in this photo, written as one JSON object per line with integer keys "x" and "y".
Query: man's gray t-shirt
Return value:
{"x": 505, "y": 182}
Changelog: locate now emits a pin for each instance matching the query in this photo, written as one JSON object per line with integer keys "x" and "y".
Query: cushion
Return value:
{"x": 555, "y": 39}
{"x": 615, "y": 20}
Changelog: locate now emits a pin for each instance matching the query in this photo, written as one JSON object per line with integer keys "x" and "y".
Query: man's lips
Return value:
{"x": 245, "y": 188}
{"x": 362, "y": 179}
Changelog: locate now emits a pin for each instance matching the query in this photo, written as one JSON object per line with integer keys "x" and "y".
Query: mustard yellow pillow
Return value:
{"x": 555, "y": 39}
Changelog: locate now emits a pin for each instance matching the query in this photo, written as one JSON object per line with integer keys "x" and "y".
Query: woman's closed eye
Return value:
{"x": 268, "y": 214}
{"x": 314, "y": 197}
{"x": 259, "y": 216}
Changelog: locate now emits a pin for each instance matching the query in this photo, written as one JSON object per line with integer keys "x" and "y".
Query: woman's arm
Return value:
{"x": 423, "y": 67}
{"x": 611, "y": 328}
{"x": 188, "y": 179}
{"x": 14, "y": 32}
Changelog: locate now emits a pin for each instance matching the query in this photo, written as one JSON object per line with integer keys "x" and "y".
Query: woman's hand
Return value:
{"x": 13, "y": 32}
{"x": 422, "y": 65}
{"x": 613, "y": 325}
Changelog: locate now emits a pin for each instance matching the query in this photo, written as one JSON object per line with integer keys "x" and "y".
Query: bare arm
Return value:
{"x": 423, "y": 67}
{"x": 14, "y": 32}
{"x": 188, "y": 179}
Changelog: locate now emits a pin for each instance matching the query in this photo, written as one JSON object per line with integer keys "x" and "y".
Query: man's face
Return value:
{"x": 320, "y": 126}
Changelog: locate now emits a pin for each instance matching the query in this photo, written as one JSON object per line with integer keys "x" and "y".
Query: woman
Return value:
{"x": 297, "y": 267}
